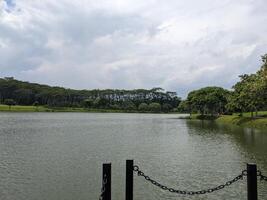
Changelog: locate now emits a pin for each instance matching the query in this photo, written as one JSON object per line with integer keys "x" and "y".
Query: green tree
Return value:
{"x": 24, "y": 96}
{"x": 25, "y": 93}
{"x": 115, "y": 107}
{"x": 88, "y": 103}
{"x": 9, "y": 102}
{"x": 154, "y": 107}
{"x": 128, "y": 105}
{"x": 100, "y": 103}
{"x": 36, "y": 104}
{"x": 184, "y": 107}
{"x": 250, "y": 93}
{"x": 143, "y": 107}
{"x": 166, "y": 107}
{"x": 208, "y": 100}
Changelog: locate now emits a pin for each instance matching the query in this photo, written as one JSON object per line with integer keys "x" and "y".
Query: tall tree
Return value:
{"x": 9, "y": 102}
{"x": 208, "y": 100}
{"x": 25, "y": 93}
{"x": 250, "y": 93}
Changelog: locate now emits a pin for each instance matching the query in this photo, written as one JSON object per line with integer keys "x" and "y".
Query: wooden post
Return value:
{"x": 107, "y": 181}
{"x": 252, "y": 181}
{"x": 129, "y": 180}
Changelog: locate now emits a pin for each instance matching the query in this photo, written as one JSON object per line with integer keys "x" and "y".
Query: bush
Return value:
{"x": 9, "y": 102}
{"x": 166, "y": 107}
{"x": 88, "y": 103}
{"x": 128, "y": 105}
{"x": 143, "y": 107}
{"x": 115, "y": 107}
{"x": 154, "y": 107}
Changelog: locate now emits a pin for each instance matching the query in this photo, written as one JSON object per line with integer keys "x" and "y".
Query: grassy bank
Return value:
{"x": 18, "y": 108}
{"x": 246, "y": 120}
{"x": 6, "y": 108}
{"x": 260, "y": 121}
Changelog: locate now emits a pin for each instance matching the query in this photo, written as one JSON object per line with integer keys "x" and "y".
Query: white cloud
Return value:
{"x": 177, "y": 45}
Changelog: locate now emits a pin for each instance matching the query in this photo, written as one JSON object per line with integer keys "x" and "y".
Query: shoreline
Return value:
{"x": 33, "y": 109}
{"x": 243, "y": 121}
{"x": 259, "y": 123}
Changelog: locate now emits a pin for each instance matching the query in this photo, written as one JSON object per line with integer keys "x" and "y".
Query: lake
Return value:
{"x": 59, "y": 156}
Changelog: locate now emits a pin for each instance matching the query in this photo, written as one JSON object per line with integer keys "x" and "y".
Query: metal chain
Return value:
{"x": 262, "y": 177}
{"x": 185, "y": 192}
{"x": 103, "y": 189}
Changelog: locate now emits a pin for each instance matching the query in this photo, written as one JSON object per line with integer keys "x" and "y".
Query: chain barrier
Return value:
{"x": 262, "y": 177}
{"x": 103, "y": 189}
{"x": 186, "y": 192}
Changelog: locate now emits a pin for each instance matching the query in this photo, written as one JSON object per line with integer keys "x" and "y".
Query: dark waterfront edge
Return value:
{"x": 244, "y": 121}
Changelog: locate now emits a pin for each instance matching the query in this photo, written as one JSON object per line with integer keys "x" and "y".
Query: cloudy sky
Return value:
{"x": 179, "y": 45}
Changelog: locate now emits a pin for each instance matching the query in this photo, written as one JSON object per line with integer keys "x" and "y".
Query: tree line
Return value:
{"x": 13, "y": 92}
{"x": 249, "y": 94}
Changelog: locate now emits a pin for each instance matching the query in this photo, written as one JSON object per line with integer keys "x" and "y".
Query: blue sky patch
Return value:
{"x": 10, "y": 3}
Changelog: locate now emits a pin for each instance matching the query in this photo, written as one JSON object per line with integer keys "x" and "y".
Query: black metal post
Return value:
{"x": 107, "y": 181}
{"x": 252, "y": 181}
{"x": 129, "y": 180}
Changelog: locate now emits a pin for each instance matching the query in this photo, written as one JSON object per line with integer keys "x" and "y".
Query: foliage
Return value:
{"x": 36, "y": 103}
{"x": 184, "y": 107}
{"x": 208, "y": 100}
{"x": 166, "y": 107}
{"x": 128, "y": 105}
{"x": 88, "y": 103}
{"x": 9, "y": 102}
{"x": 115, "y": 107}
{"x": 154, "y": 107}
{"x": 243, "y": 121}
{"x": 250, "y": 93}
{"x": 25, "y": 93}
{"x": 143, "y": 107}
{"x": 100, "y": 102}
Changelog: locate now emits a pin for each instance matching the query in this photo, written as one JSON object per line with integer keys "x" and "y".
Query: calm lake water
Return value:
{"x": 59, "y": 156}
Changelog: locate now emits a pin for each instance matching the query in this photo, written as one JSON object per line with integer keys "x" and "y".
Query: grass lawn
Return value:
{"x": 248, "y": 114}
{"x": 245, "y": 120}
{"x": 18, "y": 108}
{"x": 23, "y": 108}
{"x": 259, "y": 121}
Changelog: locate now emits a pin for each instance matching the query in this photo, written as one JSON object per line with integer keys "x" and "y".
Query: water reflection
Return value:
{"x": 59, "y": 155}
{"x": 253, "y": 142}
